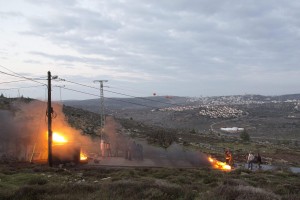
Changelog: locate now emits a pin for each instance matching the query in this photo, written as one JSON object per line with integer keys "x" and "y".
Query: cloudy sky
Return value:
{"x": 170, "y": 47}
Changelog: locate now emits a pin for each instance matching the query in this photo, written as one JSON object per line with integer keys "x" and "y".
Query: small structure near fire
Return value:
{"x": 65, "y": 151}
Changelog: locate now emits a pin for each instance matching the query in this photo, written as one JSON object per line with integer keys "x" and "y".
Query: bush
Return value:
{"x": 244, "y": 193}
{"x": 29, "y": 192}
{"x": 245, "y": 136}
{"x": 209, "y": 180}
{"x": 37, "y": 181}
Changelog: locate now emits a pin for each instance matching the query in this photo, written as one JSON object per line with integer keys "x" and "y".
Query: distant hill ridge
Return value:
{"x": 168, "y": 101}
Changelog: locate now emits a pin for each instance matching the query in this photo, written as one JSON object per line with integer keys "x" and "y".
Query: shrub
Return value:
{"x": 245, "y": 136}
{"x": 244, "y": 193}
{"x": 29, "y": 193}
{"x": 37, "y": 181}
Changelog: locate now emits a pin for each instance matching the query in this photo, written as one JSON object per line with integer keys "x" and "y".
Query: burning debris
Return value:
{"x": 66, "y": 151}
{"x": 219, "y": 165}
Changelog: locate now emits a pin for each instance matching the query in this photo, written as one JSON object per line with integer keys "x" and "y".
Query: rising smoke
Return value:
{"x": 173, "y": 156}
{"x": 23, "y": 130}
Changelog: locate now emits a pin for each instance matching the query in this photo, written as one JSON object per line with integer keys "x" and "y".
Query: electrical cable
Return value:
{"x": 12, "y": 81}
{"x": 30, "y": 79}
{"x": 21, "y": 87}
{"x": 18, "y": 75}
{"x": 119, "y": 93}
{"x": 111, "y": 98}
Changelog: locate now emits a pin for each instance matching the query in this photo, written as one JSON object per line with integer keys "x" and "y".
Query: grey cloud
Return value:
{"x": 177, "y": 38}
{"x": 68, "y": 58}
{"x": 10, "y": 14}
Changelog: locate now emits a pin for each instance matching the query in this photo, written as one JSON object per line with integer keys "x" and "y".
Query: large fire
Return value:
{"x": 58, "y": 138}
{"x": 219, "y": 165}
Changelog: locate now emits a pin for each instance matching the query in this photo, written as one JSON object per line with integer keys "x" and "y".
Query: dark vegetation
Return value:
{"x": 245, "y": 136}
{"x": 155, "y": 135}
{"x": 21, "y": 181}
{"x": 279, "y": 152}
{"x": 87, "y": 122}
{"x": 24, "y": 181}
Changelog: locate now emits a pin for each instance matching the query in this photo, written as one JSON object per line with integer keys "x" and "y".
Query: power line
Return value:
{"x": 119, "y": 93}
{"x": 110, "y": 98}
{"x": 21, "y": 87}
{"x": 30, "y": 79}
{"x": 12, "y": 81}
{"x": 18, "y": 75}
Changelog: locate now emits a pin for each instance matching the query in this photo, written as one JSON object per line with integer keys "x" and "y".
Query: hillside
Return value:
{"x": 263, "y": 116}
{"x": 38, "y": 181}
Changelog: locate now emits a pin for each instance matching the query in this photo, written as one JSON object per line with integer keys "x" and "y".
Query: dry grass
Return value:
{"x": 38, "y": 182}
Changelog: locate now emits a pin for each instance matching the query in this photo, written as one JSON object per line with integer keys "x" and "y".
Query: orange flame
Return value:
{"x": 219, "y": 165}
{"x": 58, "y": 138}
{"x": 83, "y": 156}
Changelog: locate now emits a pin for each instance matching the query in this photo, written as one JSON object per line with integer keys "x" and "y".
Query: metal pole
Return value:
{"x": 60, "y": 94}
{"x": 102, "y": 104}
{"x": 49, "y": 115}
{"x": 102, "y": 116}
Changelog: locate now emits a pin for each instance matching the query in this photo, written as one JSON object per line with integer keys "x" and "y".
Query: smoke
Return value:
{"x": 174, "y": 156}
{"x": 18, "y": 129}
{"x": 23, "y": 135}
{"x": 24, "y": 130}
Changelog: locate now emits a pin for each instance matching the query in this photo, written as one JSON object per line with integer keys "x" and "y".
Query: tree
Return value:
{"x": 193, "y": 131}
{"x": 245, "y": 136}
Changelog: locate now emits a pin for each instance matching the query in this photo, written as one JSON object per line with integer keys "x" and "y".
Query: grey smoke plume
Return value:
{"x": 174, "y": 156}
{"x": 24, "y": 129}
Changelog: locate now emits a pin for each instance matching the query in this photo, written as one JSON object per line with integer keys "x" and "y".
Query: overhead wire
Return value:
{"x": 119, "y": 93}
{"x": 21, "y": 87}
{"x": 18, "y": 75}
{"x": 12, "y": 81}
{"x": 110, "y": 98}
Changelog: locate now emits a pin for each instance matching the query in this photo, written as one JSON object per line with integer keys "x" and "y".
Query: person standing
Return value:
{"x": 258, "y": 157}
{"x": 250, "y": 160}
{"x": 227, "y": 156}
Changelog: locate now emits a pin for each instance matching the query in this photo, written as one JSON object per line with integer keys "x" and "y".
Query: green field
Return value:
{"x": 25, "y": 181}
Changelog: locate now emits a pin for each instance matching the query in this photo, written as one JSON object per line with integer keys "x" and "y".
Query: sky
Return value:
{"x": 168, "y": 47}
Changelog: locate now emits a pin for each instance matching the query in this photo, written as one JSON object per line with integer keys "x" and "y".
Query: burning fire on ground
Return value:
{"x": 60, "y": 139}
{"x": 219, "y": 165}
{"x": 83, "y": 156}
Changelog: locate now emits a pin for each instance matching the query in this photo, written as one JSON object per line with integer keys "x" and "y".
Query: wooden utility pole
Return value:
{"x": 49, "y": 115}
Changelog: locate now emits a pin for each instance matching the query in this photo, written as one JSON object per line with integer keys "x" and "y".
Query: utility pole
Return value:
{"x": 59, "y": 86}
{"x": 102, "y": 116}
{"x": 49, "y": 115}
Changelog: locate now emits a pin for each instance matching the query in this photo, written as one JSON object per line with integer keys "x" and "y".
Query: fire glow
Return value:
{"x": 83, "y": 156}
{"x": 58, "y": 138}
{"x": 219, "y": 165}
